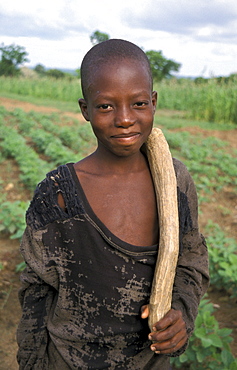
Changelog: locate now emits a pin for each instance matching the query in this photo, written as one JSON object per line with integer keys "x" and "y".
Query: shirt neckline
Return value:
{"x": 102, "y": 226}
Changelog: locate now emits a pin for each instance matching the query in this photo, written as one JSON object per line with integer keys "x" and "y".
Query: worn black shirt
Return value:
{"x": 83, "y": 287}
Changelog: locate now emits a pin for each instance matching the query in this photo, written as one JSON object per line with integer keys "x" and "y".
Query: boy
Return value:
{"x": 91, "y": 239}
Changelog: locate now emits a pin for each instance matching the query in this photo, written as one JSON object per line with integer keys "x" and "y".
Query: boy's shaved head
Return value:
{"x": 110, "y": 51}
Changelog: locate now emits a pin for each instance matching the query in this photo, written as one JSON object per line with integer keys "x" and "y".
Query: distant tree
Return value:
{"x": 78, "y": 72}
{"x": 160, "y": 66}
{"x": 56, "y": 73}
{"x": 12, "y": 56}
{"x": 200, "y": 80}
{"x": 40, "y": 69}
{"x": 98, "y": 37}
{"x": 231, "y": 78}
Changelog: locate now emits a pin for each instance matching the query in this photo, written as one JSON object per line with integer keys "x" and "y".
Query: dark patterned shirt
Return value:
{"x": 83, "y": 287}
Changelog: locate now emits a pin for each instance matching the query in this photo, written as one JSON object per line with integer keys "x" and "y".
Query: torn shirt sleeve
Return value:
{"x": 36, "y": 297}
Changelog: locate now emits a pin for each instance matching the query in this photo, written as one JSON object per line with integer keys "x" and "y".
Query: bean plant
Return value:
{"x": 209, "y": 346}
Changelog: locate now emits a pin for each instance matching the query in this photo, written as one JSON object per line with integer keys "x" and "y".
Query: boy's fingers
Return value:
{"x": 169, "y": 319}
{"x": 171, "y": 345}
{"x": 169, "y": 333}
{"x": 145, "y": 312}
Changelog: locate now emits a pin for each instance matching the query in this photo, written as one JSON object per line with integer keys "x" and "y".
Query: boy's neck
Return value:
{"x": 111, "y": 164}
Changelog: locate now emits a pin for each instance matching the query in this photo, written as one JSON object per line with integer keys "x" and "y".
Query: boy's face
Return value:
{"x": 120, "y": 106}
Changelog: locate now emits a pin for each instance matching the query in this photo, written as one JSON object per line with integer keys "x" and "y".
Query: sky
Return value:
{"x": 201, "y": 35}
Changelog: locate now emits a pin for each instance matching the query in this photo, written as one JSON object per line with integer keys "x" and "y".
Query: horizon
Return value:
{"x": 201, "y": 36}
{"x": 178, "y": 76}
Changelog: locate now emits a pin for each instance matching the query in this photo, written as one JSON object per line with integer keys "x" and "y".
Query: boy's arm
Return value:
{"x": 191, "y": 279}
{"x": 192, "y": 273}
{"x": 170, "y": 335}
{"x": 36, "y": 298}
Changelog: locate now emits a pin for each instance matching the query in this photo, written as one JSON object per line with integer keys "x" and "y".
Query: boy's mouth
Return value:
{"x": 127, "y": 138}
{"x": 128, "y": 135}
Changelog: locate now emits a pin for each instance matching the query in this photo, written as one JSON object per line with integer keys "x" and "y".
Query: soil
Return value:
{"x": 221, "y": 210}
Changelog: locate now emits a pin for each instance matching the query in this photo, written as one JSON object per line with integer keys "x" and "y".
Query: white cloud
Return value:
{"x": 198, "y": 34}
{"x": 187, "y": 17}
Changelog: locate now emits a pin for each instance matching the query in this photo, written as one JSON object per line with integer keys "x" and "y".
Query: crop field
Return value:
{"x": 213, "y": 101}
{"x": 37, "y": 134}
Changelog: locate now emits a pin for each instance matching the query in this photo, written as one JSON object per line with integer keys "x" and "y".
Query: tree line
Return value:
{"x": 13, "y": 56}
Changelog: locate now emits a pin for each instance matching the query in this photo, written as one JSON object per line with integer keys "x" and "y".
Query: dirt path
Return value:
{"x": 10, "y": 256}
{"x": 11, "y": 104}
{"x": 229, "y": 136}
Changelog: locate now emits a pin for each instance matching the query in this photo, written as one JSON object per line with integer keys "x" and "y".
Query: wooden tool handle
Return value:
{"x": 164, "y": 179}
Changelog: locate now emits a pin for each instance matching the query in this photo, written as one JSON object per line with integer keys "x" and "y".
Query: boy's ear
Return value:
{"x": 154, "y": 100}
{"x": 83, "y": 106}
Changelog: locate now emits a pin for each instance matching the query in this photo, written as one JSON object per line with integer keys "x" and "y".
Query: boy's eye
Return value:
{"x": 104, "y": 107}
{"x": 140, "y": 104}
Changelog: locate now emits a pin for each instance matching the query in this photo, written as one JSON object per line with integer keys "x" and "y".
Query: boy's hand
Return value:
{"x": 169, "y": 334}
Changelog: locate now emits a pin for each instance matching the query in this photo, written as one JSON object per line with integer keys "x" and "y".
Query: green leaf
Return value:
{"x": 21, "y": 266}
{"x": 233, "y": 366}
{"x": 206, "y": 342}
{"x": 215, "y": 340}
{"x": 201, "y": 356}
{"x": 226, "y": 357}
{"x": 183, "y": 358}
{"x": 200, "y": 332}
{"x": 191, "y": 356}
{"x": 233, "y": 259}
{"x": 12, "y": 229}
{"x": 224, "y": 332}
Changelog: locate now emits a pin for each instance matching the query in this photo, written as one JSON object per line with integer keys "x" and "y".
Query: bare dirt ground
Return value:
{"x": 9, "y": 249}
{"x": 11, "y": 104}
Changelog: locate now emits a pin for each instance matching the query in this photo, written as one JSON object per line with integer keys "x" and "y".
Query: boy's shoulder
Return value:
{"x": 44, "y": 207}
{"x": 179, "y": 167}
{"x": 183, "y": 176}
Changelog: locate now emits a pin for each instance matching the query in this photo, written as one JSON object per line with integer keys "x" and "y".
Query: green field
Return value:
{"x": 32, "y": 143}
{"x": 213, "y": 101}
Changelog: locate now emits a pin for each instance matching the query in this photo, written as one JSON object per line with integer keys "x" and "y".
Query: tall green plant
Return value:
{"x": 222, "y": 259}
{"x": 209, "y": 346}
{"x": 214, "y": 101}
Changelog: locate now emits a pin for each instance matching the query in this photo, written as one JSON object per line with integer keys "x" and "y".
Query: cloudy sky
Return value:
{"x": 199, "y": 34}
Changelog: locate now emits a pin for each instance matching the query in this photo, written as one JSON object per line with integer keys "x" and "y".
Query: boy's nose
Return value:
{"x": 124, "y": 118}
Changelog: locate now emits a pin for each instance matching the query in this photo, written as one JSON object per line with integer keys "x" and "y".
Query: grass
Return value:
{"x": 42, "y": 88}
{"x": 212, "y": 101}
{"x": 174, "y": 121}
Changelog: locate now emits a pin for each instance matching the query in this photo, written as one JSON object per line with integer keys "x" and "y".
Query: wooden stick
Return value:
{"x": 164, "y": 179}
